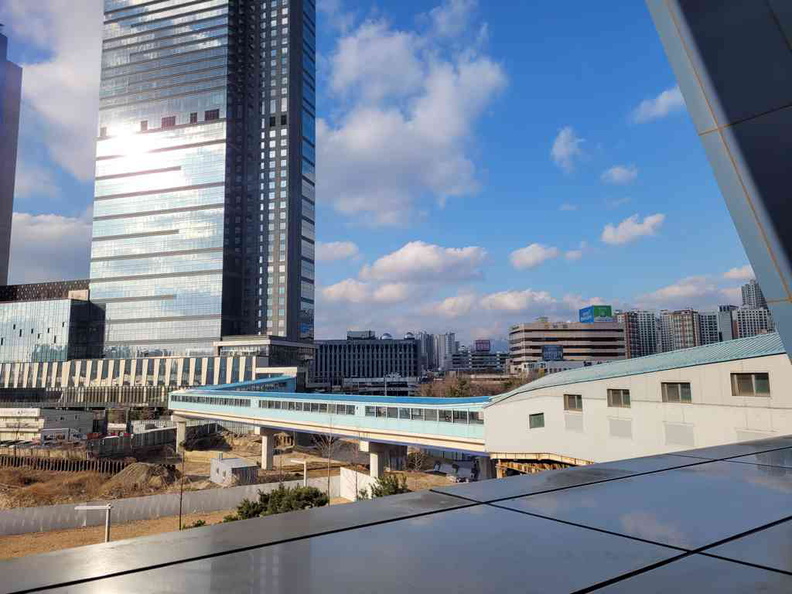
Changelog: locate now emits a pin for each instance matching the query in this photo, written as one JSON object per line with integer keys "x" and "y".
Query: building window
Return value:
{"x": 573, "y": 402}
{"x": 750, "y": 384}
{"x": 619, "y": 398}
{"x": 676, "y": 392}
{"x": 144, "y": 125}
{"x": 536, "y": 421}
{"x": 169, "y": 122}
{"x": 193, "y": 118}
{"x": 211, "y": 114}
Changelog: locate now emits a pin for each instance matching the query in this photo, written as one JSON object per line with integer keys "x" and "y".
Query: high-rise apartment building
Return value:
{"x": 426, "y": 351}
{"x": 641, "y": 332}
{"x": 205, "y": 173}
{"x": 752, "y": 295}
{"x": 10, "y": 97}
{"x": 751, "y": 321}
{"x": 726, "y": 326}
{"x": 446, "y": 345}
{"x": 679, "y": 330}
{"x": 708, "y": 327}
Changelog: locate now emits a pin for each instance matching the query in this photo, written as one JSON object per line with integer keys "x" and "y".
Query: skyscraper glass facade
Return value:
{"x": 203, "y": 215}
{"x": 10, "y": 98}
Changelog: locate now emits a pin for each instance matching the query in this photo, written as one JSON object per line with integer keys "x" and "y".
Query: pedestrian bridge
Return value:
{"x": 454, "y": 424}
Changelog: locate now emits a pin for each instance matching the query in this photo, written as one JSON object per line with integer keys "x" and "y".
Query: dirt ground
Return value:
{"x": 21, "y": 545}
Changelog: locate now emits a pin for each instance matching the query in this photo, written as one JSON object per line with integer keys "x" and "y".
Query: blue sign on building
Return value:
{"x": 553, "y": 352}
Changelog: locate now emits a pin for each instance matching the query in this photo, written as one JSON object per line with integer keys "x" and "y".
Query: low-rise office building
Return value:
{"x": 571, "y": 341}
{"x": 41, "y": 424}
{"x": 362, "y": 355}
{"x": 47, "y": 322}
{"x": 144, "y": 382}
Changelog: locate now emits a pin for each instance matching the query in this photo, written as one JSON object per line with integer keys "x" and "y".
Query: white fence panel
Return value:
{"x": 64, "y": 517}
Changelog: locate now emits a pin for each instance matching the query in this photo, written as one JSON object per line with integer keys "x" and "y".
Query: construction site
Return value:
{"x": 131, "y": 467}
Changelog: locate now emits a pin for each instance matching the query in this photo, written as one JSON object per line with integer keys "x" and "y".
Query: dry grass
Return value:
{"x": 30, "y": 488}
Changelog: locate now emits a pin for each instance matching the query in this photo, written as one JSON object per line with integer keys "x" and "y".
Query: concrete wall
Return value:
{"x": 352, "y": 482}
{"x": 600, "y": 433}
{"x": 63, "y": 517}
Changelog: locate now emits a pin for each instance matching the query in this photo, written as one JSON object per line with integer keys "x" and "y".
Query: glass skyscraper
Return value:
{"x": 204, "y": 205}
{"x": 10, "y": 97}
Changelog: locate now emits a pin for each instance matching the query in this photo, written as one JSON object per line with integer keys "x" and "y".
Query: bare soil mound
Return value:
{"x": 139, "y": 478}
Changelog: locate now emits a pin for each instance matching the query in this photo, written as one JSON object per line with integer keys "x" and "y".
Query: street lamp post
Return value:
{"x": 106, "y": 508}
{"x": 305, "y": 470}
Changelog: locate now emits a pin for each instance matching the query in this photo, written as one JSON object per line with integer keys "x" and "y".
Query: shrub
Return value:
{"x": 196, "y": 524}
{"x": 281, "y": 500}
{"x": 390, "y": 484}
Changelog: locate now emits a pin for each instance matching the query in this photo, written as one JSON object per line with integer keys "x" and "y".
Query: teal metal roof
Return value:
{"x": 731, "y": 350}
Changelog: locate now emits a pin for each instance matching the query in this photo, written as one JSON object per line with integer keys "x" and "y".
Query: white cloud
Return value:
{"x": 632, "y": 228}
{"x": 533, "y": 255}
{"x": 63, "y": 90}
{"x": 356, "y": 292}
{"x": 49, "y": 247}
{"x": 567, "y": 207}
{"x": 452, "y": 18}
{"x": 743, "y": 273}
{"x": 516, "y": 301}
{"x": 391, "y": 293}
{"x": 566, "y": 148}
{"x": 667, "y": 102}
{"x": 418, "y": 261}
{"x": 620, "y": 175}
{"x": 377, "y": 62}
{"x": 409, "y": 105}
{"x": 699, "y": 292}
{"x": 349, "y": 291}
{"x": 574, "y": 255}
{"x": 34, "y": 179}
{"x": 617, "y": 202}
{"x": 335, "y": 250}
{"x": 454, "y": 307}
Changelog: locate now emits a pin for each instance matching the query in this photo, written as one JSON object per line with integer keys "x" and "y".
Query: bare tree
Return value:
{"x": 326, "y": 445}
{"x": 417, "y": 461}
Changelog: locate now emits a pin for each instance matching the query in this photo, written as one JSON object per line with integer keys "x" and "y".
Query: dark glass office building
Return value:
{"x": 10, "y": 97}
{"x": 204, "y": 208}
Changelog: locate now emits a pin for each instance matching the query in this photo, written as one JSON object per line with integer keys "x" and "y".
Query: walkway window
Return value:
{"x": 382, "y": 412}
{"x": 430, "y": 415}
{"x": 393, "y": 412}
{"x": 573, "y": 402}
{"x": 371, "y": 411}
{"x": 619, "y": 398}
{"x": 460, "y": 416}
{"x": 404, "y": 413}
{"x": 750, "y": 384}
{"x": 536, "y": 421}
{"x": 444, "y": 416}
{"x": 416, "y": 414}
{"x": 676, "y": 392}
{"x": 477, "y": 418}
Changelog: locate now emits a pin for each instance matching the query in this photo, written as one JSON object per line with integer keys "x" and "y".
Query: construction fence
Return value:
{"x": 64, "y": 517}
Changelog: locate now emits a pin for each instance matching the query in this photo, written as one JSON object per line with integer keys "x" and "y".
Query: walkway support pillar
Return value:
{"x": 486, "y": 469}
{"x": 181, "y": 433}
{"x": 267, "y": 447}
{"x": 379, "y": 457}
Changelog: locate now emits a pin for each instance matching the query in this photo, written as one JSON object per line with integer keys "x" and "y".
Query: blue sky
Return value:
{"x": 478, "y": 167}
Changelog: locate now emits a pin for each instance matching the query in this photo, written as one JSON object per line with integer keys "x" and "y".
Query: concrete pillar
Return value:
{"x": 267, "y": 447}
{"x": 379, "y": 454}
{"x": 181, "y": 433}
{"x": 485, "y": 468}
